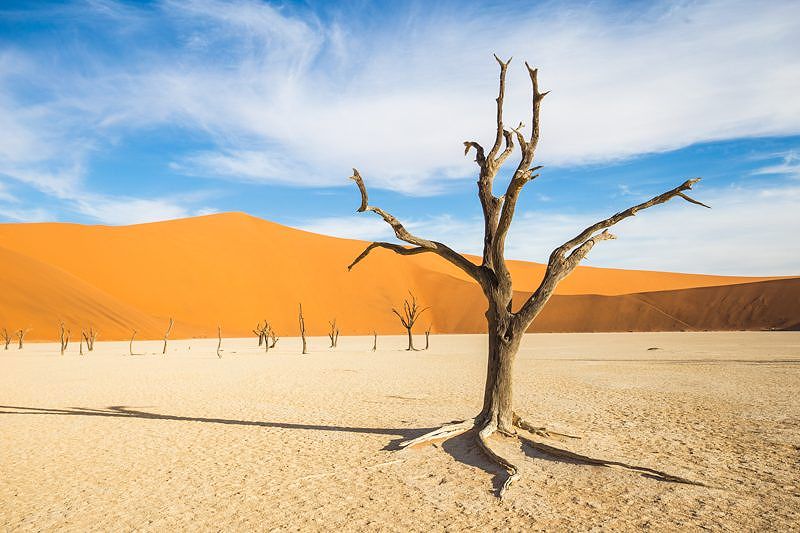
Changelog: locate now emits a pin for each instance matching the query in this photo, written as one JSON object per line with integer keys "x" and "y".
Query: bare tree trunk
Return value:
{"x": 166, "y": 335}
{"x": 333, "y": 333}
{"x": 91, "y": 338}
{"x": 428, "y": 337}
{"x": 82, "y": 337}
{"x": 374, "y": 340}
{"x": 410, "y": 341}
{"x": 219, "y": 343}
{"x": 260, "y": 332}
{"x": 499, "y": 388}
{"x": 6, "y": 338}
{"x": 303, "y": 329}
{"x": 21, "y": 337}
{"x": 64, "y": 337}
{"x": 130, "y": 345}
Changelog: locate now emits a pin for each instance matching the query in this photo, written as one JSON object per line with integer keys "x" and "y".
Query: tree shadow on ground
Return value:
{"x": 122, "y": 411}
{"x": 538, "y": 450}
{"x": 463, "y": 448}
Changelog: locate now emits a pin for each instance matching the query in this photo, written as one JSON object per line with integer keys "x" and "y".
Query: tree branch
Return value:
{"x": 422, "y": 245}
{"x": 501, "y": 95}
{"x": 524, "y": 172}
{"x": 402, "y": 250}
{"x": 566, "y": 257}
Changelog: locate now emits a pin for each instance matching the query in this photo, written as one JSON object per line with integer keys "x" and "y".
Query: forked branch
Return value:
{"x": 566, "y": 257}
{"x": 422, "y": 245}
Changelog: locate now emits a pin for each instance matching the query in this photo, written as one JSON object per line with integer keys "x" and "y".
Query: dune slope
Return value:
{"x": 233, "y": 270}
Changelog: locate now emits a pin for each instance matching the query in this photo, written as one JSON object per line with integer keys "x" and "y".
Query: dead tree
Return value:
{"x": 267, "y": 329}
{"x": 130, "y": 345}
{"x": 273, "y": 336}
{"x": 428, "y": 336}
{"x": 506, "y": 324}
{"x": 219, "y": 343}
{"x": 89, "y": 338}
{"x": 64, "y": 337}
{"x": 333, "y": 333}
{"x": 374, "y": 340}
{"x": 166, "y": 335}
{"x": 261, "y": 332}
{"x": 410, "y": 315}
{"x": 6, "y": 338}
{"x": 21, "y": 336}
{"x": 303, "y": 329}
{"x": 82, "y": 338}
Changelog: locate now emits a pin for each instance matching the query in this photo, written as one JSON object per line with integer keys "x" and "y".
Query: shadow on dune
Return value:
{"x": 463, "y": 448}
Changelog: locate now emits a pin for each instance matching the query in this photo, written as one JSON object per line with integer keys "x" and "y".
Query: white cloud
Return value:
{"x": 735, "y": 237}
{"x": 789, "y": 166}
{"x": 18, "y": 214}
{"x": 295, "y": 100}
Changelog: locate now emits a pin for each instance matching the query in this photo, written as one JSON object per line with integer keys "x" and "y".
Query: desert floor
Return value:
{"x": 281, "y": 441}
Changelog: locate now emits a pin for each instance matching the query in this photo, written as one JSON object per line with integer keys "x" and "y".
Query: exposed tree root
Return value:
{"x": 444, "y": 432}
{"x": 540, "y": 431}
{"x": 484, "y": 430}
{"x": 513, "y": 471}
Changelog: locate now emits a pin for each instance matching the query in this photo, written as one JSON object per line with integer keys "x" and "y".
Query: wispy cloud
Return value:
{"x": 788, "y": 165}
{"x": 286, "y": 97}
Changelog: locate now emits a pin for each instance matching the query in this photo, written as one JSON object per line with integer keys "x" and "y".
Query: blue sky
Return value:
{"x": 118, "y": 113}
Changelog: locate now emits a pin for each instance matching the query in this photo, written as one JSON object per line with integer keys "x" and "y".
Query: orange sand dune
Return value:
{"x": 233, "y": 269}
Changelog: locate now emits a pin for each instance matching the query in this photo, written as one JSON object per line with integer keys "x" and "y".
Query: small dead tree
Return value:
{"x": 333, "y": 333}
{"x": 89, "y": 338}
{"x": 166, "y": 335}
{"x": 130, "y": 345}
{"x": 409, "y": 316}
{"x": 21, "y": 337}
{"x": 80, "y": 344}
{"x": 219, "y": 343}
{"x": 505, "y": 323}
{"x": 303, "y": 329}
{"x": 273, "y": 336}
{"x": 6, "y": 338}
{"x": 428, "y": 336}
{"x": 374, "y": 340}
{"x": 64, "y": 334}
{"x": 261, "y": 332}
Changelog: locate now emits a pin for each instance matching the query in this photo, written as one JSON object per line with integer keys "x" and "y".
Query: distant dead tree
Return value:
{"x": 410, "y": 315}
{"x": 219, "y": 344}
{"x": 333, "y": 333}
{"x": 273, "y": 336}
{"x": 64, "y": 337}
{"x": 428, "y": 336}
{"x": 166, "y": 335}
{"x": 89, "y": 338}
{"x": 374, "y": 340}
{"x": 302, "y": 329}
{"x": 506, "y": 325}
{"x": 261, "y": 332}
{"x": 80, "y": 344}
{"x": 6, "y": 338}
{"x": 21, "y": 336}
{"x": 130, "y": 345}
